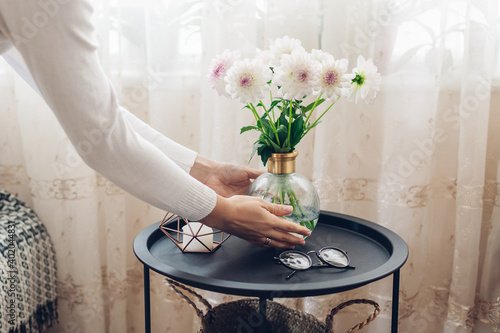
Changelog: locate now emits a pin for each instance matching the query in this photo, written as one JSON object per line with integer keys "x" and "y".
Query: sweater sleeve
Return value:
{"x": 61, "y": 55}
{"x": 181, "y": 155}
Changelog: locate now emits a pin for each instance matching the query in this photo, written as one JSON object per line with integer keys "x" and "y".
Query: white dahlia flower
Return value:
{"x": 247, "y": 80}
{"x": 297, "y": 75}
{"x": 320, "y": 55}
{"x": 284, "y": 45}
{"x": 218, "y": 69}
{"x": 366, "y": 81}
{"x": 333, "y": 80}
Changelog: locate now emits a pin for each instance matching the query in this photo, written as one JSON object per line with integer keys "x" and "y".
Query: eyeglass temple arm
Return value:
{"x": 290, "y": 275}
{"x": 294, "y": 271}
{"x": 326, "y": 265}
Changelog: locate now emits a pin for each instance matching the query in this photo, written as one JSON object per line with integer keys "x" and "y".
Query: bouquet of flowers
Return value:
{"x": 288, "y": 74}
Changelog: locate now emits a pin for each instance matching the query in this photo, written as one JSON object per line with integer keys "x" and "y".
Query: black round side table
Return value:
{"x": 240, "y": 268}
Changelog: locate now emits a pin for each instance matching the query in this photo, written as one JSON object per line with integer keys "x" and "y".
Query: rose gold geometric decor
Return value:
{"x": 192, "y": 236}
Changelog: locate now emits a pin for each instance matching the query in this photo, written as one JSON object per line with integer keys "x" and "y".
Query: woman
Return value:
{"x": 55, "y": 39}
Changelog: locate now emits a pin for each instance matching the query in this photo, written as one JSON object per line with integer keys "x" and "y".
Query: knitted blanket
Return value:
{"x": 28, "y": 290}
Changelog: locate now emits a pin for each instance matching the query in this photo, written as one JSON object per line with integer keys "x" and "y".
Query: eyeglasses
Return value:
{"x": 301, "y": 261}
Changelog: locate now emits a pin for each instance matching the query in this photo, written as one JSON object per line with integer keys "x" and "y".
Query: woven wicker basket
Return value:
{"x": 245, "y": 316}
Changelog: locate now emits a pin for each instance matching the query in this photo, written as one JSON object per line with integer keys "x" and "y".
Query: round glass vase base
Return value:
{"x": 291, "y": 189}
{"x": 308, "y": 223}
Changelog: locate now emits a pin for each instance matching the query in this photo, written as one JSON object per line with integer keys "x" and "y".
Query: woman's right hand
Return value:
{"x": 255, "y": 220}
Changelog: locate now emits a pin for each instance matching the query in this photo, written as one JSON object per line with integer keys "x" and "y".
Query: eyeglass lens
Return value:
{"x": 334, "y": 257}
{"x": 296, "y": 260}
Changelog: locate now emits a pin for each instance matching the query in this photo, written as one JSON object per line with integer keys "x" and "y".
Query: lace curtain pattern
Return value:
{"x": 422, "y": 159}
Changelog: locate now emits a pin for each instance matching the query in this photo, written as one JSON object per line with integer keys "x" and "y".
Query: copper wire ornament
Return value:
{"x": 172, "y": 224}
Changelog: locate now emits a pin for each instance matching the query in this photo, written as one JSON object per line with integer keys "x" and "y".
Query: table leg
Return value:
{"x": 147, "y": 300}
{"x": 395, "y": 301}
{"x": 263, "y": 312}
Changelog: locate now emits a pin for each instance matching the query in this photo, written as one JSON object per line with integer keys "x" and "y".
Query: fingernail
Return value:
{"x": 288, "y": 209}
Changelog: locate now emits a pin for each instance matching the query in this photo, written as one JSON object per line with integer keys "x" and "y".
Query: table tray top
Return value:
{"x": 240, "y": 268}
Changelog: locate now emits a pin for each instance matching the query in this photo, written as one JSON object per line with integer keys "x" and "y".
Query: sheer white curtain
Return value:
{"x": 146, "y": 49}
{"x": 422, "y": 159}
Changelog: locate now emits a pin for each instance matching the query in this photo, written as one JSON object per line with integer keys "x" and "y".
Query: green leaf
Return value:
{"x": 310, "y": 106}
{"x": 265, "y": 123}
{"x": 283, "y": 133}
{"x": 261, "y": 105}
{"x": 297, "y": 130}
{"x": 258, "y": 145}
{"x": 282, "y": 120}
{"x": 274, "y": 103}
{"x": 275, "y": 146}
{"x": 264, "y": 126}
{"x": 248, "y": 128}
{"x": 265, "y": 154}
{"x": 268, "y": 141}
{"x": 264, "y": 145}
{"x": 286, "y": 144}
{"x": 254, "y": 150}
{"x": 314, "y": 125}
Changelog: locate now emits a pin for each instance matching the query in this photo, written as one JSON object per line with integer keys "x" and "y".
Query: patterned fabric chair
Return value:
{"x": 28, "y": 289}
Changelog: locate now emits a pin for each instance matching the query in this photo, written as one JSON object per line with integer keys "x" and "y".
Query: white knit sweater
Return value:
{"x": 59, "y": 52}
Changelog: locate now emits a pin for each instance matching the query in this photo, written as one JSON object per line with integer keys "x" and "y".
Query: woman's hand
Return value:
{"x": 249, "y": 218}
{"x": 255, "y": 221}
{"x": 225, "y": 179}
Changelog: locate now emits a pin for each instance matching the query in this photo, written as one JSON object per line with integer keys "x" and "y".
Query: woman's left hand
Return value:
{"x": 226, "y": 179}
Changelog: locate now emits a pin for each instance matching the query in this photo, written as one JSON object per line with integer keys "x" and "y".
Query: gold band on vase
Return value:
{"x": 282, "y": 163}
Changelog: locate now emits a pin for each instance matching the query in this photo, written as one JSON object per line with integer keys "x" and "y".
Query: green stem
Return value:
{"x": 297, "y": 202}
{"x": 290, "y": 122}
{"x": 309, "y": 225}
{"x": 271, "y": 122}
{"x": 312, "y": 110}
{"x": 294, "y": 204}
{"x": 254, "y": 111}
{"x": 267, "y": 191}
{"x": 317, "y": 120}
{"x": 257, "y": 118}
{"x": 271, "y": 99}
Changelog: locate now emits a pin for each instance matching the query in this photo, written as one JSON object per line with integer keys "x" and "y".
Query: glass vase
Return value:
{"x": 282, "y": 185}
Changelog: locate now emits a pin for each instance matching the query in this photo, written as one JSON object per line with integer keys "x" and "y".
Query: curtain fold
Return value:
{"x": 422, "y": 159}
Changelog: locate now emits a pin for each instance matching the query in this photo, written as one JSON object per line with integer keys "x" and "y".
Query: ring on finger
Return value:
{"x": 267, "y": 242}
